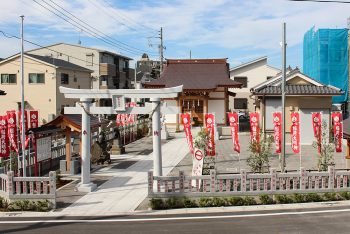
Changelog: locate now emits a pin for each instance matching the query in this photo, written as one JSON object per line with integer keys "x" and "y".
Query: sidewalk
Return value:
{"x": 127, "y": 186}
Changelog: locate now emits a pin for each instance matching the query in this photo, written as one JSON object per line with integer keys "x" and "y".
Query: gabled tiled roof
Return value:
{"x": 298, "y": 90}
{"x": 195, "y": 74}
{"x": 75, "y": 121}
{"x": 58, "y": 62}
{"x": 313, "y": 88}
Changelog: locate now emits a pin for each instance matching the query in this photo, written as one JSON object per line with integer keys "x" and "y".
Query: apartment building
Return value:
{"x": 42, "y": 78}
{"x": 110, "y": 70}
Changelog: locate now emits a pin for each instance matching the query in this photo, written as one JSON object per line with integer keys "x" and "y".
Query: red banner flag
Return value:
{"x": 26, "y": 143}
{"x": 277, "y": 130}
{"x": 295, "y": 131}
{"x": 233, "y": 120}
{"x": 118, "y": 121}
{"x": 12, "y": 129}
{"x": 186, "y": 121}
{"x": 33, "y": 119}
{"x": 254, "y": 128}
{"x": 337, "y": 121}
{"x": 210, "y": 126}
{"x": 316, "y": 124}
{"x": 4, "y": 140}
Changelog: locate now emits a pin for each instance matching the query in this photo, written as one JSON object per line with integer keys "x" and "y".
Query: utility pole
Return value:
{"x": 161, "y": 48}
{"x": 22, "y": 102}
{"x": 283, "y": 89}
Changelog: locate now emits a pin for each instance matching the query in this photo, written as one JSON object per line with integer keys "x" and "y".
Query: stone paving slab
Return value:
{"x": 228, "y": 161}
{"x": 127, "y": 188}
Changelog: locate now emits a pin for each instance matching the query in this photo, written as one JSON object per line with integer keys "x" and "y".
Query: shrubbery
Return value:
{"x": 25, "y": 205}
{"x": 184, "y": 202}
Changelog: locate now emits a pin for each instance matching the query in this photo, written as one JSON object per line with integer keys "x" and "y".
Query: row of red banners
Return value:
{"x": 125, "y": 119}
{"x": 277, "y": 123}
{"x": 317, "y": 130}
{"x": 209, "y": 124}
{"x": 8, "y": 130}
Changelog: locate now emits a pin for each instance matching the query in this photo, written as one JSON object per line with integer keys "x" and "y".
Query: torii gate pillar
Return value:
{"x": 157, "y": 150}
{"x": 85, "y": 185}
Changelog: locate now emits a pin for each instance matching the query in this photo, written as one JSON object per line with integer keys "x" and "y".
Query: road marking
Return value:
{"x": 174, "y": 218}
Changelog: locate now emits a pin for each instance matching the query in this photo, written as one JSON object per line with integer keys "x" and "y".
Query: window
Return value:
{"x": 241, "y": 79}
{"x": 89, "y": 59}
{"x": 64, "y": 78}
{"x": 36, "y": 78}
{"x": 240, "y": 103}
{"x": 8, "y": 79}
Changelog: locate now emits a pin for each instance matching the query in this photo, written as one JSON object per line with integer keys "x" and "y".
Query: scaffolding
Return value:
{"x": 325, "y": 58}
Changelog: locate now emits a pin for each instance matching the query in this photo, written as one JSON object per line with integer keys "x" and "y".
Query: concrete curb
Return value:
{"x": 230, "y": 209}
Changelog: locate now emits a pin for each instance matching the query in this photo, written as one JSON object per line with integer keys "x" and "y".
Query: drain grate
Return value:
{"x": 124, "y": 164}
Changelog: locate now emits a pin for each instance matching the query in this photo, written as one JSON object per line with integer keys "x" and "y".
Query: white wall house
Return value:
{"x": 249, "y": 74}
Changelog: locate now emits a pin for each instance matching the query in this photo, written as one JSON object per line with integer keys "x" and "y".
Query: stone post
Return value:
{"x": 303, "y": 178}
{"x": 212, "y": 181}
{"x": 10, "y": 182}
{"x": 243, "y": 180}
{"x": 273, "y": 179}
{"x": 331, "y": 177}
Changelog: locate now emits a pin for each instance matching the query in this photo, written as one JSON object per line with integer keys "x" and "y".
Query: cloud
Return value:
{"x": 248, "y": 26}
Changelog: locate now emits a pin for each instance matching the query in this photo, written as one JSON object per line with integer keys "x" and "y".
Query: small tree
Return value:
{"x": 326, "y": 147}
{"x": 258, "y": 159}
{"x": 202, "y": 139}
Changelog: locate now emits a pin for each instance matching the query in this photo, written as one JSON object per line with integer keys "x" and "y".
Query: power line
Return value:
{"x": 80, "y": 26}
{"x": 119, "y": 20}
{"x": 321, "y": 1}
{"x": 87, "y": 30}
{"x": 43, "y": 47}
{"x": 129, "y": 19}
{"x": 112, "y": 39}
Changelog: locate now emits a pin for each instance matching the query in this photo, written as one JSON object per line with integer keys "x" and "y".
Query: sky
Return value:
{"x": 240, "y": 30}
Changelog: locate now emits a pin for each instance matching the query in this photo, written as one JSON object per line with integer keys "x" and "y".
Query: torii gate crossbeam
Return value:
{"x": 87, "y": 95}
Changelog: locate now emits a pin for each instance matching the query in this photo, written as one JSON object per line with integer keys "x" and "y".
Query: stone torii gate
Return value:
{"x": 85, "y": 107}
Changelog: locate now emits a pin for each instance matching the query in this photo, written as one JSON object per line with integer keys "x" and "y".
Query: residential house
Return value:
{"x": 303, "y": 94}
{"x": 249, "y": 74}
{"x": 110, "y": 70}
{"x": 42, "y": 78}
{"x": 205, "y": 88}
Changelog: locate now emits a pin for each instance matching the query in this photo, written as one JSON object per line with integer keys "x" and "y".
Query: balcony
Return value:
{"x": 107, "y": 69}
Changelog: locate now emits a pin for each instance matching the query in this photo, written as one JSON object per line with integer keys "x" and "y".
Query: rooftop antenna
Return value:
{"x": 190, "y": 54}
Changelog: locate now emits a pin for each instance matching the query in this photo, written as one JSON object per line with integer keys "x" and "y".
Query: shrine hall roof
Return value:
{"x": 195, "y": 74}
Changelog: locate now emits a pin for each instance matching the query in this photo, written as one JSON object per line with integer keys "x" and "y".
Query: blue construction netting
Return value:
{"x": 326, "y": 58}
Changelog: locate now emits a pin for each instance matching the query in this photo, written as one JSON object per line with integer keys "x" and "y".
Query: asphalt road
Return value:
{"x": 302, "y": 221}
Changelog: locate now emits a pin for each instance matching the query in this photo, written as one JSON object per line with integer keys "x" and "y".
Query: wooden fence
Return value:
{"x": 28, "y": 188}
{"x": 244, "y": 184}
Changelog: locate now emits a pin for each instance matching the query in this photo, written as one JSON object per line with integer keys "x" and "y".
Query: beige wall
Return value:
{"x": 79, "y": 53}
{"x": 42, "y": 97}
{"x": 256, "y": 73}
{"x": 295, "y": 103}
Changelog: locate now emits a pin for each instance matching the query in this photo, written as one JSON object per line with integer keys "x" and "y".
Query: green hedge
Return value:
{"x": 25, "y": 205}
{"x": 184, "y": 202}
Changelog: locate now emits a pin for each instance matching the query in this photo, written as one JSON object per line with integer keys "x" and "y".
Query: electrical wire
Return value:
{"x": 105, "y": 35}
{"x": 87, "y": 30}
{"x": 129, "y": 19}
{"x": 98, "y": 5}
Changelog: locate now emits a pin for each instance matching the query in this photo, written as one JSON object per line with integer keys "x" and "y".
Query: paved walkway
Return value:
{"x": 127, "y": 187}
